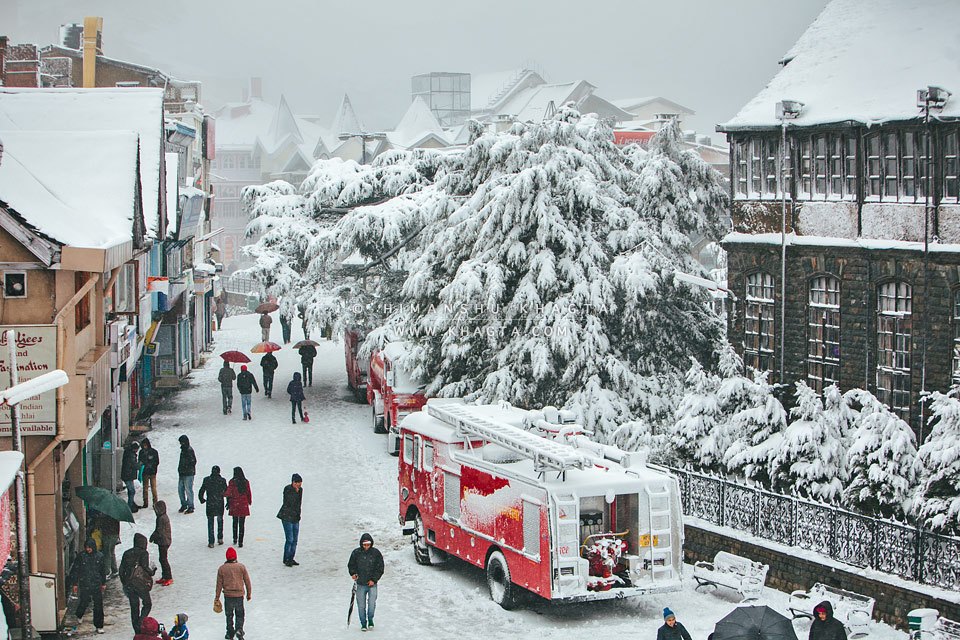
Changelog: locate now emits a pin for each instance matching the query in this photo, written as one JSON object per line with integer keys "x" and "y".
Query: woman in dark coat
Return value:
{"x": 129, "y": 469}
{"x": 295, "y": 389}
{"x": 162, "y": 536}
{"x": 239, "y": 499}
{"x": 825, "y": 626}
{"x": 212, "y": 493}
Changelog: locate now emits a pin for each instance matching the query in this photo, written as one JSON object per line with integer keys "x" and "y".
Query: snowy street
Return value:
{"x": 349, "y": 488}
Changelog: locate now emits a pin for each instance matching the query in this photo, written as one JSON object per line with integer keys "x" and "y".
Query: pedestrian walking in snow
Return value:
{"x": 239, "y": 498}
{"x": 265, "y": 322}
{"x": 825, "y": 626}
{"x": 246, "y": 383}
{"x": 366, "y": 569}
{"x": 137, "y": 587}
{"x": 671, "y": 629}
{"x": 129, "y": 468}
{"x": 307, "y": 353}
{"x": 162, "y": 536}
{"x": 269, "y": 365}
{"x": 150, "y": 462}
{"x": 289, "y": 515}
{"x": 186, "y": 470}
{"x": 88, "y": 581}
{"x": 285, "y": 327}
{"x": 232, "y": 580}
{"x": 211, "y": 493}
{"x": 304, "y": 324}
{"x": 226, "y": 378}
{"x": 150, "y": 629}
{"x": 295, "y": 389}
{"x": 109, "y": 539}
{"x": 179, "y": 629}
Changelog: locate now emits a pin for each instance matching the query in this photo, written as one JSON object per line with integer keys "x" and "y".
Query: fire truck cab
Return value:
{"x": 559, "y": 516}
{"x": 392, "y": 393}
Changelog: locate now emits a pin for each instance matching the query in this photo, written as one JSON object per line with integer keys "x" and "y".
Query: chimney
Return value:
{"x": 21, "y": 66}
{"x": 92, "y": 47}
{"x": 256, "y": 88}
{"x": 71, "y": 35}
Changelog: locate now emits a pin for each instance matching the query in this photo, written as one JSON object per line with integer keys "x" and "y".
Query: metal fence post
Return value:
{"x": 918, "y": 570}
{"x": 721, "y": 512}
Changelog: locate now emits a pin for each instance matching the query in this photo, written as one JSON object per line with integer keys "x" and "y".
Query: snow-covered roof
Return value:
{"x": 112, "y": 109}
{"x": 823, "y": 241}
{"x": 417, "y": 124}
{"x": 78, "y": 188}
{"x": 635, "y": 103}
{"x": 173, "y": 184}
{"x": 239, "y": 125}
{"x": 487, "y": 89}
{"x": 863, "y": 61}
{"x": 346, "y": 120}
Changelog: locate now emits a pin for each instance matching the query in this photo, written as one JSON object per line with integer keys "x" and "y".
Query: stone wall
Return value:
{"x": 790, "y": 572}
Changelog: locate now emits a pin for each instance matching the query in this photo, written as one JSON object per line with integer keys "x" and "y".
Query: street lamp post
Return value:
{"x": 785, "y": 110}
{"x": 12, "y": 397}
{"x": 365, "y": 136}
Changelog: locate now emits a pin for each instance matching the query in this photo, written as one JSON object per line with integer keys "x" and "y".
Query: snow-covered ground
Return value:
{"x": 349, "y": 485}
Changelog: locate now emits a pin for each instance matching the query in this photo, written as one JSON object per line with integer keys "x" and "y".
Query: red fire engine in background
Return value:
{"x": 392, "y": 393}
{"x": 559, "y": 516}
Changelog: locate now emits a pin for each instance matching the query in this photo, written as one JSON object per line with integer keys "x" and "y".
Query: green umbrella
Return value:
{"x": 105, "y": 502}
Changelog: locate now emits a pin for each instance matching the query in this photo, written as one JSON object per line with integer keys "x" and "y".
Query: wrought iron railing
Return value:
{"x": 854, "y": 539}
{"x": 241, "y": 284}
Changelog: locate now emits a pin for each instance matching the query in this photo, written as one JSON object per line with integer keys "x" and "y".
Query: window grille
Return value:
{"x": 758, "y": 322}
{"x": 872, "y": 143}
{"x": 451, "y": 495}
{"x": 950, "y": 167}
{"x": 890, "y": 166}
{"x": 531, "y": 528}
{"x": 894, "y": 336}
{"x": 823, "y": 333}
{"x": 742, "y": 153}
{"x": 820, "y": 166}
{"x": 756, "y": 173}
{"x": 770, "y": 147}
{"x": 806, "y": 169}
{"x": 850, "y": 167}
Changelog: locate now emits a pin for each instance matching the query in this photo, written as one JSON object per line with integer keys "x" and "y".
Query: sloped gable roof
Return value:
{"x": 417, "y": 124}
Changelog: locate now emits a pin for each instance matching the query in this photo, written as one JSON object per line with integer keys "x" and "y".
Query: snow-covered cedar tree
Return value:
{"x": 840, "y": 416}
{"x": 551, "y": 280}
{"x": 733, "y": 396}
{"x": 810, "y": 460}
{"x": 696, "y": 419}
{"x": 881, "y": 459}
{"x": 760, "y": 428}
{"x": 938, "y": 464}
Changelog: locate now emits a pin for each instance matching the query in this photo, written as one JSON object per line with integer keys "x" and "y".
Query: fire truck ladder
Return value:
{"x": 546, "y": 454}
{"x": 659, "y": 553}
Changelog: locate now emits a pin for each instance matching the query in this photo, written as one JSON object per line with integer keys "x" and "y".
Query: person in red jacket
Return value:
{"x": 239, "y": 498}
{"x": 150, "y": 630}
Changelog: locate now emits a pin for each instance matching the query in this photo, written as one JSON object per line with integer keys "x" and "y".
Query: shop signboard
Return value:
{"x": 36, "y": 355}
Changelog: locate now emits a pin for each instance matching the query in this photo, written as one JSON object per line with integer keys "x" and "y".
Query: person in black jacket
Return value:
{"x": 285, "y": 327}
{"x": 825, "y": 626}
{"x": 671, "y": 629}
{"x": 307, "y": 353}
{"x": 129, "y": 467}
{"x": 246, "y": 383}
{"x": 295, "y": 389}
{"x": 132, "y": 557}
{"x": 150, "y": 460}
{"x": 211, "y": 492}
{"x": 187, "y": 470}
{"x": 269, "y": 365}
{"x": 88, "y": 581}
{"x": 289, "y": 515}
{"x": 226, "y": 378}
{"x": 366, "y": 569}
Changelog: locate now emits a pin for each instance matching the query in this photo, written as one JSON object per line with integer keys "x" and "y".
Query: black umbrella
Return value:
{"x": 758, "y": 622}
{"x": 353, "y": 599}
{"x": 106, "y": 502}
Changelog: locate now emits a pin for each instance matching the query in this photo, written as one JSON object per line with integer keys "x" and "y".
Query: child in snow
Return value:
{"x": 150, "y": 629}
{"x": 671, "y": 629}
{"x": 179, "y": 630}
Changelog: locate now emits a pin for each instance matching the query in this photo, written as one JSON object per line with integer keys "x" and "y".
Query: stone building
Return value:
{"x": 844, "y": 258}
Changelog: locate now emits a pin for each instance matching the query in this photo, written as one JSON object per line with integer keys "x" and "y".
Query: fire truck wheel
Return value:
{"x": 377, "y": 419}
{"x": 421, "y": 551}
{"x": 502, "y": 590}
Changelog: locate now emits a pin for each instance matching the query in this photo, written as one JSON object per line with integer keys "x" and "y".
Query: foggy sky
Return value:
{"x": 709, "y": 55}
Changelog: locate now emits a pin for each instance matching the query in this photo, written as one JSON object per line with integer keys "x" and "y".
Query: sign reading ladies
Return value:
{"x": 36, "y": 355}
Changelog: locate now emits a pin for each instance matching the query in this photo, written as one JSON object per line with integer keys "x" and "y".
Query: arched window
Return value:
{"x": 758, "y": 322}
{"x": 894, "y": 338}
{"x": 823, "y": 333}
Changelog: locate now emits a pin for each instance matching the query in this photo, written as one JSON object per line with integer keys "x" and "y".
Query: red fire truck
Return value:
{"x": 559, "y": 516}
{"x": 357, "y": 367}
{"x": 392, "y": 392}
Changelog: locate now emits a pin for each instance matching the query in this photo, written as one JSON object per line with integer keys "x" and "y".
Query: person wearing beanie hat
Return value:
{"x": 289, "y": 515}
{"x": 671, "y": 629}
{"x": 246, "y": 383}
{"x": 179, "y": 630}
{"x": 212, "y": 492}
{"x": 129, "y": 467}
{"x": 186, "y": 470}
{"x": 233, "y": 580}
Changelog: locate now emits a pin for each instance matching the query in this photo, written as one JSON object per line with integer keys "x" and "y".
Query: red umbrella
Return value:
{"x": 267, "y": 307}
{"x": 234, "y": 356}
{"x": 265, "y": 347}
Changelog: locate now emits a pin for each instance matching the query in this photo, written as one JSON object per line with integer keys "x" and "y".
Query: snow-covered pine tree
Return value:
{"x": 881, "y": 459}
{"x": 938, "y": 464}
{"x": 696, "y": 419}
{"x": 733, "y": 396}
{"x": 760, "y": 426}
{"x": 809, "y": 461}
{"x": 840, "y": 416}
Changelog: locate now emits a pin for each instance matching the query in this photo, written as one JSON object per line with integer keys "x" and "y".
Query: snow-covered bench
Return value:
{"x": 946, "y": 629}
{"x": 743, "y": 575}
{"x": 852, "y": 609}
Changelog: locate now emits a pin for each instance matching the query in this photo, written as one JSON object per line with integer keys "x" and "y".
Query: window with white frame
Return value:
{"x": 742, "y": 152}
{"x": 820, "y": 166}
{"x": 756, "y": 165}
{"x": 823, "y": 333}
{"x": 850, "y": 167}
{"x": 872, "y": 151}
{"x": 956, "y": 337}
{"x": 894, "y": 337}
{"x": 806, "y": 168}
{"x": 891, "y": 161}
{"x": 950, "y": 167}
{"x": 758, "y": 322}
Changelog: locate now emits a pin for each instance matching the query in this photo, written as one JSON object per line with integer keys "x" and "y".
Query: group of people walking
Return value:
{"x": 246, "y": 384}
